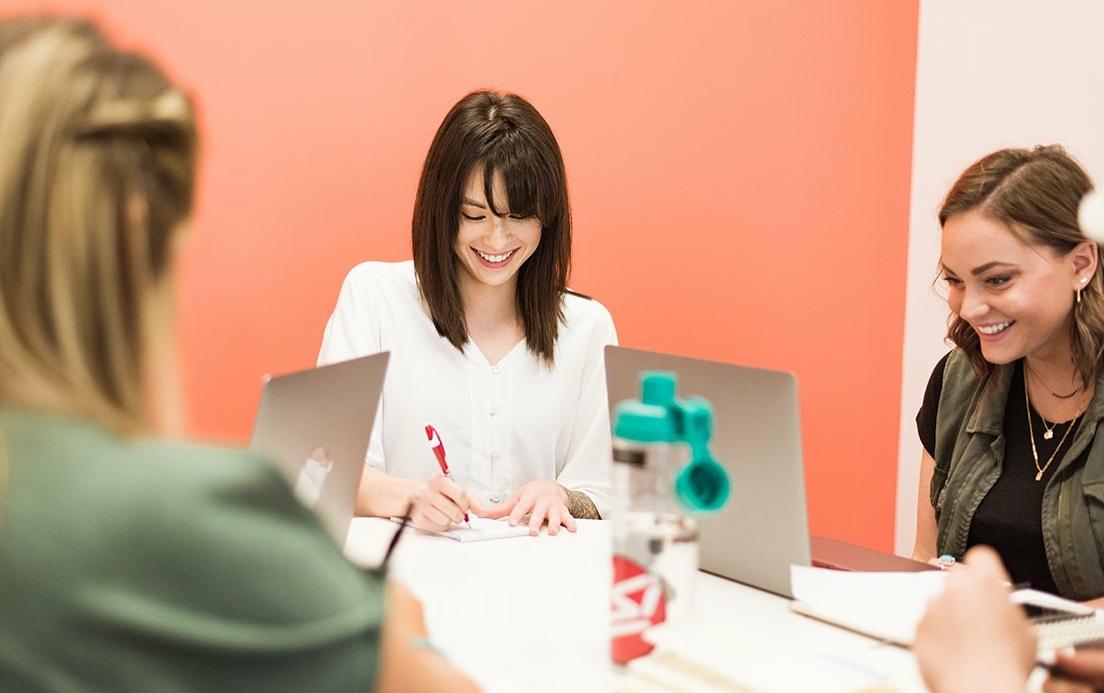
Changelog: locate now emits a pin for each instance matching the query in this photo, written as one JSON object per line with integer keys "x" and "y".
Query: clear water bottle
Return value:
{"x": 663, "y": 477}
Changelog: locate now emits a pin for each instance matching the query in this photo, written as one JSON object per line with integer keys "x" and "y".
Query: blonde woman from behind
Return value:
{"x": 128, "y": 562}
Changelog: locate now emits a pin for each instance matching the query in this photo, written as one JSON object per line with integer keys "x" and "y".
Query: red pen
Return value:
{"x": 438, "y": 448}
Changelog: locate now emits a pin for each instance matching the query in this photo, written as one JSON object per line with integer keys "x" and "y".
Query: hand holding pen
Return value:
{"x": 438, "y": 447}
{"x": 440, "y": 501}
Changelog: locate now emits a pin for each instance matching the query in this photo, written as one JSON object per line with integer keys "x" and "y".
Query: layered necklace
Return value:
{"x": 1041, "y": 469}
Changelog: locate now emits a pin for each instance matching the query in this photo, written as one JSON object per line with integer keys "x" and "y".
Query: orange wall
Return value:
{"x": 739, "y": 173}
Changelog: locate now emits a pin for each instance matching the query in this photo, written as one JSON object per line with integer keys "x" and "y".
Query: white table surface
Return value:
{"x": 532, "y": 613}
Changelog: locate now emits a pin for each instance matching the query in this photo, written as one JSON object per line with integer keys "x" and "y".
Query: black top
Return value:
{"x": 1010, "y": 516}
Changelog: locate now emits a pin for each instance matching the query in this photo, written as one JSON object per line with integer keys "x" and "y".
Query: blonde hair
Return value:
{"x": 97, "y": 171}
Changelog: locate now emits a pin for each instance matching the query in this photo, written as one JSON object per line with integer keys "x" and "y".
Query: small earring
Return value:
{"x": 1084, "y": 280}
{"x": 1079, "y": 295}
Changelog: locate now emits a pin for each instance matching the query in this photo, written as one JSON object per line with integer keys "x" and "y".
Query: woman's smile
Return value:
{"x": 495, "y": 260}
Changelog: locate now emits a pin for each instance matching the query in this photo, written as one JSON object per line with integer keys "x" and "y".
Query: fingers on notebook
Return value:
{"x": 536, "y": 517}
{"x": 555, "y": 518}
{"x": 539, "y": 507}
{"x": 568, "y": 521}
{"x": 448, "y": 507}
{"x": 439, "y": 503}
{"x": 521, "y": 508}
{"x": 559, "y": 515}
{"x": 451, "y": 490}
{"x": 428, "y": 517}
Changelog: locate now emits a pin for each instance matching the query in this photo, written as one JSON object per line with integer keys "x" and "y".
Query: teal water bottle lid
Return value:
{"x": 661, "y": 417}
{"x": 650, "y": 419}
{"x": 703, "y": 484}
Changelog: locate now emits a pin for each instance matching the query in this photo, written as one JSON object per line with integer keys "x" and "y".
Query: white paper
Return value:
{"x": 714, "y": 656}
{"x": 884, "y": 605}
{"x": 481, "y": 529}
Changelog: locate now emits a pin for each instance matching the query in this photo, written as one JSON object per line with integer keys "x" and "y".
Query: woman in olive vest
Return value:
{"x": 129, "y": 562}
{"x": 1010, "y": 416}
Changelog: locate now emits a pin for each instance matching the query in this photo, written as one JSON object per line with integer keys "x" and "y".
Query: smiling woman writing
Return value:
{"x": 487, "y": 343}
{"x": 1010, "y": 416}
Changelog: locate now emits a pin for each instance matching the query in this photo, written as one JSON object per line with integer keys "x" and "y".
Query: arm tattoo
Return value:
{"x": 580, "y": 505}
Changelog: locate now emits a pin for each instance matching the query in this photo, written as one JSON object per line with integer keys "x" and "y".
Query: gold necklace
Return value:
{"x": 1048, "y": 430}
{"x": 1048, "y": 433}
{"x": 1031, "y": 433}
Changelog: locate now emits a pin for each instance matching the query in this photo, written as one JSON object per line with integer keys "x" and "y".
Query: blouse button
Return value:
{"x": 494, "y": 455}
{"x": 495, "y": 498}
{"x": 494, "y": 411}
{"x": 496, "y": 370}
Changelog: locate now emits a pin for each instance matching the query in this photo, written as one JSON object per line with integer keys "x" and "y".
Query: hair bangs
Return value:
{"x": 532, "y": 189}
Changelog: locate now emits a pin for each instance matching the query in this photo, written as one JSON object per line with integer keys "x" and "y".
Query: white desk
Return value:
{"x": 532, "y": 613}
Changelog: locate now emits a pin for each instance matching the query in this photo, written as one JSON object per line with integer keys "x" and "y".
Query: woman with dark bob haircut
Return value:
{"x": 491, "y": 355}
{"x": 1010, "y": 416}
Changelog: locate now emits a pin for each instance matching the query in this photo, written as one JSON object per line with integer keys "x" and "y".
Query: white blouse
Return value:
{"x": 501, "y": 425}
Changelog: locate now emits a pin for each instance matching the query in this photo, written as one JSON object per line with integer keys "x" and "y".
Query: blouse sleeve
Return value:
{"x": 929, "y": 410}
{"x": 587, "y": 465}
{"x": 353, "y": 331}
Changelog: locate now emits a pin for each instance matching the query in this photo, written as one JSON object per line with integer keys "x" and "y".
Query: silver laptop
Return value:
{"x": 756, "y": 436}
{"x": 315, "y": 425}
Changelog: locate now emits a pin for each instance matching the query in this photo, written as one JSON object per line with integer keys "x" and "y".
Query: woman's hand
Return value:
{"x": 541, "y": 500}
{"x": 972, "y": 638}
{"x": 438, "y": 503}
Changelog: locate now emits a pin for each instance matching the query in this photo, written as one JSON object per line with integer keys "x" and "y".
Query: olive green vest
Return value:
{"x": 969, "y": 452}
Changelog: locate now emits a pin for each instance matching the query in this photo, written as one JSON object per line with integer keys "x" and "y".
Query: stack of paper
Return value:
{"x": 887, "y": 606}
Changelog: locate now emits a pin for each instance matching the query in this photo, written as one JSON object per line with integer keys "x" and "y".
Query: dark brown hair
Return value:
{"x": 1036, "y": 192}
{"x": 499, "y": 132}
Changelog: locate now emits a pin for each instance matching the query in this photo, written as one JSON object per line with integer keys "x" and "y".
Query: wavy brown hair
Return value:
{"x": 495, "y": 132}
{"x": 96, "y": 175}
{"x": 1036, "y": 193}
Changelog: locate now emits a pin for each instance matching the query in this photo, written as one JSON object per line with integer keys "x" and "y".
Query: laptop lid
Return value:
{"x": 315, "y": 424}
{"x": 757, "y": 437}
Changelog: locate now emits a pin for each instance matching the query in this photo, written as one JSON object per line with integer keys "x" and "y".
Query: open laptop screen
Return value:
{"x": 757, "y": 437}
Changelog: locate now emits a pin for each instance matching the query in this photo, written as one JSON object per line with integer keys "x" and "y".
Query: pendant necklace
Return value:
{"x": 1041, "y": 469}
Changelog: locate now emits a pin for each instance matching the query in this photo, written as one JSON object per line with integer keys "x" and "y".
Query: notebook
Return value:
{"x": 719, "y": 656}
{"x": 886, "y": 606}
{"x": 889, "y": 606}
{"x": 481, "y": 529}
{"x": 1071, "y": 631}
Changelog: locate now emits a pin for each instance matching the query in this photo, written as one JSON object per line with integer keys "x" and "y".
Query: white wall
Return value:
{"x": 990, "y": 74}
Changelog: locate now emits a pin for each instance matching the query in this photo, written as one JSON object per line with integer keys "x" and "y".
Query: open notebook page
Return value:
{"x": 887, "y": 606}
{"x": 481, "y": 529}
